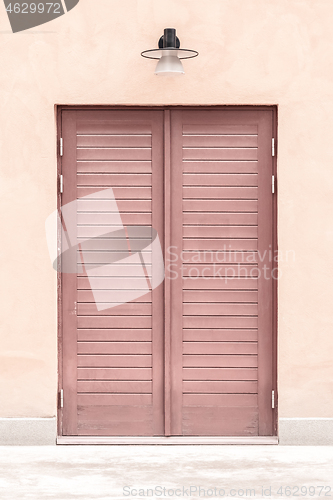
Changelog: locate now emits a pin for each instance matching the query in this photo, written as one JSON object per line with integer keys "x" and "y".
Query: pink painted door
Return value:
{"x": 112, "y": 343}
{"x": 192, "y": 355}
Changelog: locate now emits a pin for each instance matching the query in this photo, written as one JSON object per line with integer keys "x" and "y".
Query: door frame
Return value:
{"x": 167, "y": 194}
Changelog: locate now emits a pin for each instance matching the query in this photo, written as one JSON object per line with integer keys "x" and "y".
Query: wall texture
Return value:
{"x": 251, "y": 52}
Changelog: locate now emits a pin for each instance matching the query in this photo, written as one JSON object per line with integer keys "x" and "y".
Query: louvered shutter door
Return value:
{"x": 113, "y": 357}
{"x": 221, "y": 309}
{"x": 192, "y": 356}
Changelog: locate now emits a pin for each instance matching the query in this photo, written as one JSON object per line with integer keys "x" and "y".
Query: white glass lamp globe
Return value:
{"x": 169, "y": 64}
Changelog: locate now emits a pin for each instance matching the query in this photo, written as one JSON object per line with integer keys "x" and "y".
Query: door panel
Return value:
{"x": 192, "y": 356}
{"x": 113, "y": 358}
{"x": 221, "y": 171}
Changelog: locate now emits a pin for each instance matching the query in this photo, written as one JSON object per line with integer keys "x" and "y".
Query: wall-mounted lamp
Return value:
{"x": 169, "y": 54}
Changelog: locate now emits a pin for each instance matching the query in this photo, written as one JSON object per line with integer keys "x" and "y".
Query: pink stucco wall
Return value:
{"x": 251, "y": 52}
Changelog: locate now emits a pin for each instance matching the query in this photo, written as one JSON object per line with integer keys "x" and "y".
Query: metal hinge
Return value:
{"x": 273, "y": 147}
{"x": 61, "y": 147}
{"x": 273, "y": 399}
{"x": 61, "y": 184}
{"x": 61, "y": 397}
{"x": 273, "y": 184}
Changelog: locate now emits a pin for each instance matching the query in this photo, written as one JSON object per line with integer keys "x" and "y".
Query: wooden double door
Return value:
{"x": 191, "y": 354}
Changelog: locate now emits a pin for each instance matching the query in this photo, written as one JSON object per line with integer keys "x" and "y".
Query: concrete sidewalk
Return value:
{"x": 118, "y": 472}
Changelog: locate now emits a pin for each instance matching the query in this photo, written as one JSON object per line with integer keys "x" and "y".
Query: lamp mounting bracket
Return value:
{"x": 160, "y": 42}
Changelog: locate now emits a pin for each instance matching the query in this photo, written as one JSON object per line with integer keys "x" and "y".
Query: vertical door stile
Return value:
{"x": 167, "y": 289}
{"x": 265, "y": 281}
{"x": 275, "y": 281}
{"x": 69, "y": 284}
{"x": 176, "y": 274}
{"x": 157, "y": 293}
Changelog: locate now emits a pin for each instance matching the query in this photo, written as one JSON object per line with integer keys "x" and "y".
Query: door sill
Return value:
{"x": 176, "y": 440}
